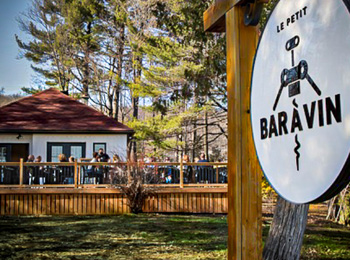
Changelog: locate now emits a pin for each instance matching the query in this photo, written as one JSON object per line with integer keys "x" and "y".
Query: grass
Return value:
{"x": 146, "y": 236}
{"x": 326, "y": 240}
{"x": 118, "y": 237}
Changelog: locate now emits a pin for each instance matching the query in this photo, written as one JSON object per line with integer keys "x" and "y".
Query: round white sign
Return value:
{"x": 300, "y": 99}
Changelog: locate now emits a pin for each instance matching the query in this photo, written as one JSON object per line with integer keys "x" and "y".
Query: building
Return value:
{"x": 50, "y": 123}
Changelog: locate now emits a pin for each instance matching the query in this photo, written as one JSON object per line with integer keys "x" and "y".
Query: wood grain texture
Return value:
{"x": 25, "y": 204}
{"x": 120, "y": 204}
{"x": 113, "y": 203}
{"x": 43, "y": 204}
{"x": 53, "y": 204}
{"x": 244, "y": 212}
{"x": 56, "y": 204}
{"x": 125, "y": 204}
{"x": 35, "y": 204}
{"x": 214, "y": 16}
{"x": 2, "y": 204}
{"x": 48, "y": 204}
{"x": 98, "y": 204}
{"x": 84, "y": 203}
{"x": 16, "y": 205}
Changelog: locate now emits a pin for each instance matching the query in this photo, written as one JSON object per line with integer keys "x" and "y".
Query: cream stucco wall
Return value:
{"x": 116, "y": 144}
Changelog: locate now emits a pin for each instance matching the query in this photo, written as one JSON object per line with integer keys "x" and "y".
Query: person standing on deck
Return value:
{"x": 202, "y": 170}
{"x": 189, "y": 176}
{"x": 103, "y": 170}
{"x": 30, "y": 174}
{"x": 103, "y": 157}
{"x": 39, "y": 180}
{"x": 202, "y": 158}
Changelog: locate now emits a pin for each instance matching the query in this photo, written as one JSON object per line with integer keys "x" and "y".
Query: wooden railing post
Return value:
{"x": 181, "y": 173}
{"x": 76, "y": 174}
{"x": 21, "y": 171}
{"x": 217, "y": 173}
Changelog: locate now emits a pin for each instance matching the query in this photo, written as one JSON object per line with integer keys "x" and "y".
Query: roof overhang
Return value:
{"x": 24, "y": 131}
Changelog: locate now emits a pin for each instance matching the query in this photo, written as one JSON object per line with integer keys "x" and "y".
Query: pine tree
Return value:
{"x": 81, "y": 28}
{"x": 42, "y": 22}
{"x": 178, "y": 72}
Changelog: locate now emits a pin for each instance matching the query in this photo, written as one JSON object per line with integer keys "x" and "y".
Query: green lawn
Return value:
{"x": 325, "y": 240}
{"x": 144, "y": 236}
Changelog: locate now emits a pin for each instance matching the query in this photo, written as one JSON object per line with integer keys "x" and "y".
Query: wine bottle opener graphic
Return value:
{"x": 291, "y": 77}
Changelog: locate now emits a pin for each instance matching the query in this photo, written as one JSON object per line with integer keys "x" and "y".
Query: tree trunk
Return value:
{"x": 86, "y": 68}
{"x": 194, "y": 140}
{"x": 135, "y": 102}
{"x": 286, "y": 232}
{"x": 117, "y": 88}
{"x": 339, "y": 207}
{"x": 206, "y": 145}
{"x": 116, "y": 103}
{"x": 135, "y": 108}
{"x": 194, "y": 132}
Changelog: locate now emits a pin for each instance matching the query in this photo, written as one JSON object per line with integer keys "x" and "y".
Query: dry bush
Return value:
{"x": 134, "y": 185}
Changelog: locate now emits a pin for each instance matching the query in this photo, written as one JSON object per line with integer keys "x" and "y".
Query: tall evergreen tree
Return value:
{"x": 46, "y": 49}
{"x": 81, "y": 24}
{"x": 178, "y": 72}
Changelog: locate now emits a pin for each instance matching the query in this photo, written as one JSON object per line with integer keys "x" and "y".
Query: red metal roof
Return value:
{"x": 53, "y": 111}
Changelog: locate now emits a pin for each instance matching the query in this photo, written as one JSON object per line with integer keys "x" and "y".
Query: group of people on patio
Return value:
{"x": 45, "y": 175}
{"x": 61, "y": 174}
{"x": 61, "y": 158}
{"x": 185, "y": 159}
{"x": 100, "y": 174}
{"x": 108, "y": 174}
{"x": 99, "y": 156}
{"x": 170, "y": 173}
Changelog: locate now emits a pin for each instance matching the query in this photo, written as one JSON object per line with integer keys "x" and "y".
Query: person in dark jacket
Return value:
{"x": 103, "y": 157}
{"x": 103, "y": 170}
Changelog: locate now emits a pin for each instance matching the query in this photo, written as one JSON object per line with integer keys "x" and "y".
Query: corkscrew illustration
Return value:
{"x": 291, "y": 77}
{"x": 296, "y": 151}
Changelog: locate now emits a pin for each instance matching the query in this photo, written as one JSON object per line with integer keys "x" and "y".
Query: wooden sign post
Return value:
{"x": 244, "y": 174}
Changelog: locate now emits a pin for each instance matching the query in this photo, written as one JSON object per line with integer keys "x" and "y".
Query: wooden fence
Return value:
{"x": 79, "y": 198}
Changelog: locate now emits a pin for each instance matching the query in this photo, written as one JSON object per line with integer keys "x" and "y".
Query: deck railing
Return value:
{"x": 86, "y": 174}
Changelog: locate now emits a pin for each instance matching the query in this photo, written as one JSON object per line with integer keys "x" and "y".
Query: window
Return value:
{"x": 77, "y": 150}
{"x": 3, "y": 153}
{"x": 55, "y": 151}
{"x": 98, "y": 146}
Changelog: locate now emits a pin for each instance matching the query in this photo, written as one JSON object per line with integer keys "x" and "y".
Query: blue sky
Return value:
{"x": 14, "y": 73}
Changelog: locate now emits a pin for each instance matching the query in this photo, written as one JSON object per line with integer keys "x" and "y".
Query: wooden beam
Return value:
{"x": 243, "y": 2}
{"x": 76, "y": 174}
{"x": 181, "y": 173}
{"x": 214, "y": 16}
{"x": 244, "y": 212}
{"x": 21, "y": 171}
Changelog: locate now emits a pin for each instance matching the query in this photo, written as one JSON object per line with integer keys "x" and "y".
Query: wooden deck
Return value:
{"x": 105, "y": 199}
